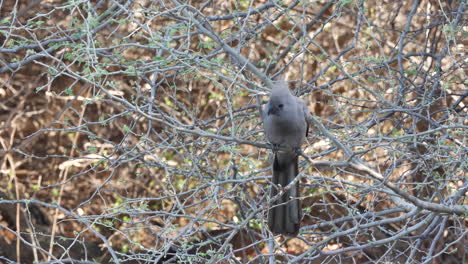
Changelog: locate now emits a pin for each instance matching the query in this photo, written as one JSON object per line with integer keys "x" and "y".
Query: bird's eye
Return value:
{"x": 280, "y": 105}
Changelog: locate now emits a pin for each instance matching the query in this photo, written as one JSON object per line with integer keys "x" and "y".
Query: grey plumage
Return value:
{"x": 285, "y": 124}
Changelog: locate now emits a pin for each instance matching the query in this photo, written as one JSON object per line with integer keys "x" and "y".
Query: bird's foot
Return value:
{"x": 298, "y": 151}
{"x": 275, "y": 147}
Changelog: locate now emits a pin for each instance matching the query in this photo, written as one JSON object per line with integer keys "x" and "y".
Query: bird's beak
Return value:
{"x": 272, "y": 110}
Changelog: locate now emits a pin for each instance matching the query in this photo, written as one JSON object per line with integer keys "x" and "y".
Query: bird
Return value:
{"x": 286, "y": 127}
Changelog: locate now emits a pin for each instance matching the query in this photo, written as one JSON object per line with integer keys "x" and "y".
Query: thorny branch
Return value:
{"x": 170, "y": 164}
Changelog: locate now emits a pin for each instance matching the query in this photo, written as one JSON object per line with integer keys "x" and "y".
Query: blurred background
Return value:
{"x": 130, "y": 130}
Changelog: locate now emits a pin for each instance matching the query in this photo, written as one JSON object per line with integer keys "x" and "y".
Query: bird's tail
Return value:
{"x": 284, "y": 215}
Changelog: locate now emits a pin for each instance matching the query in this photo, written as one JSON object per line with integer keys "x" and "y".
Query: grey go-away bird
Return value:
{"x": 285, "y": 124}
